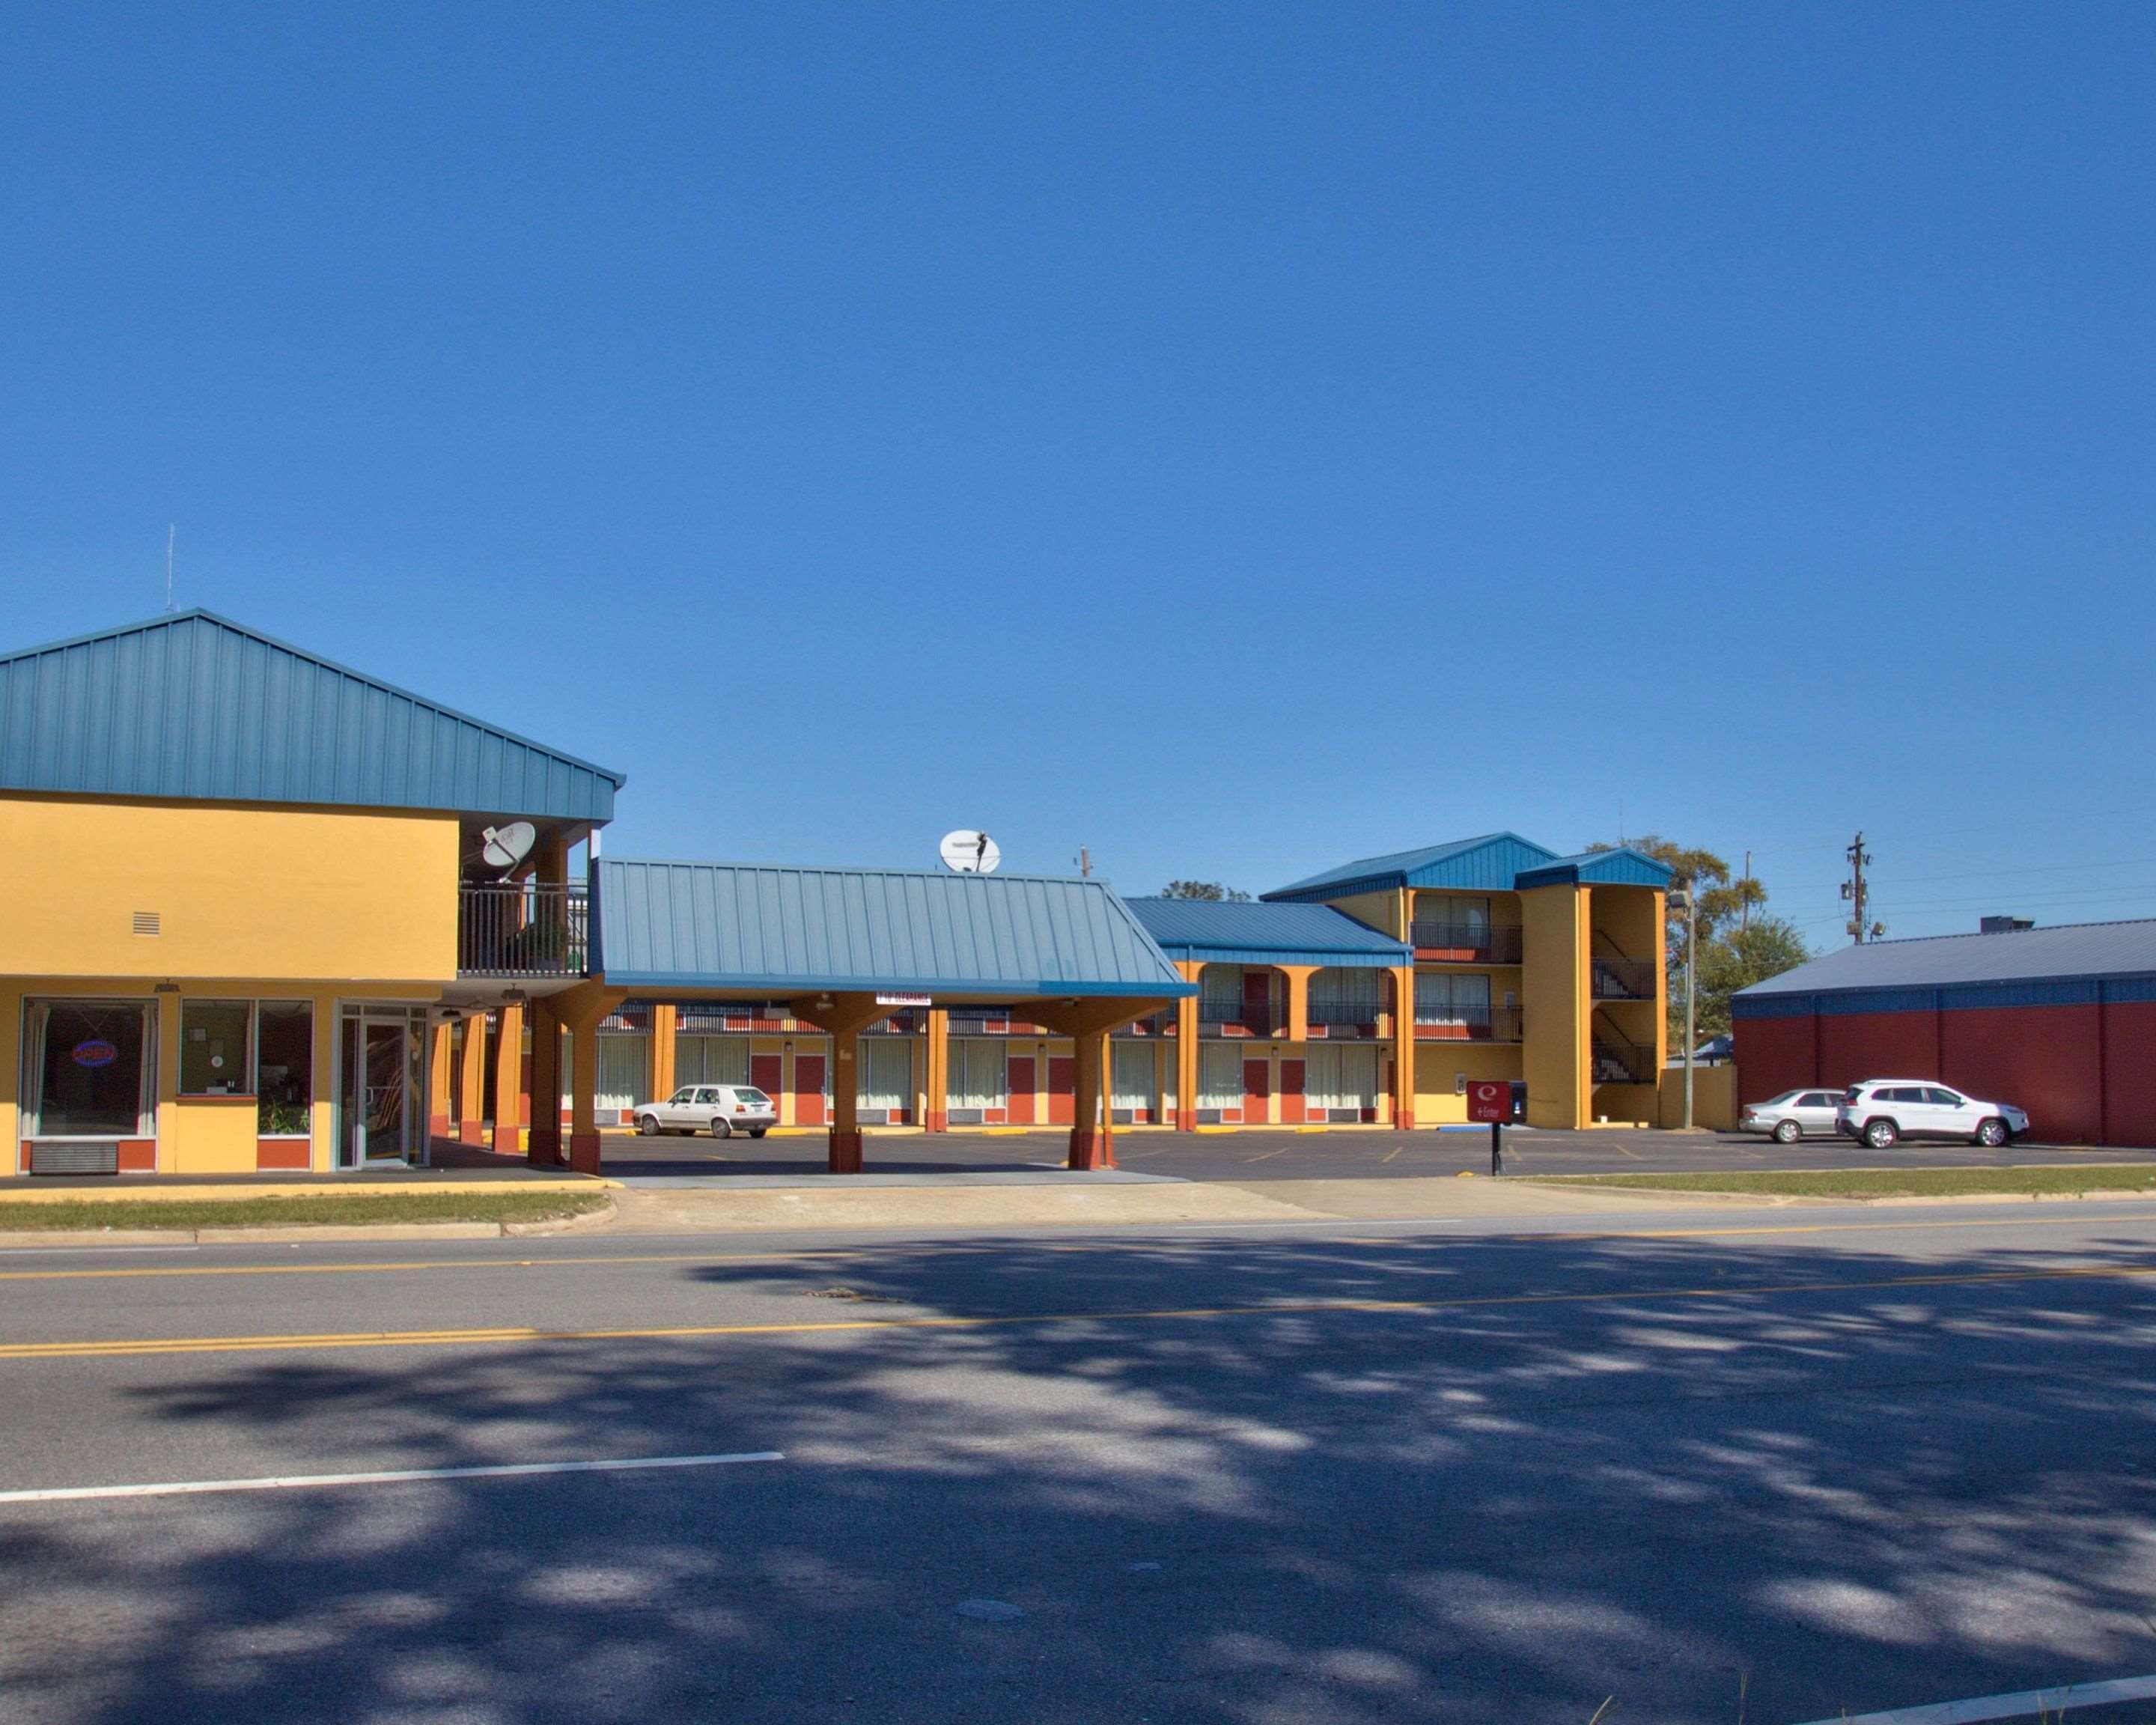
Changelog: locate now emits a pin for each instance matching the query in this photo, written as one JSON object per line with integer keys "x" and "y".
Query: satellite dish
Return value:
{"x": 970, "y": 853}
{"x": 505, "y": 847}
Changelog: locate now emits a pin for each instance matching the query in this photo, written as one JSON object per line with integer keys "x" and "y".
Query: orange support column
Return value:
{"x": 1404, "y": 1049}
{"x": 544, "y": 1146}
{"x": 1186, "y": 1053}
{"x": 937, "y": 1109}
{"x": 509, "y": 1081}
{"x": 845, "y": 1102}
{"x": 665, "y": 1021}
{"x": 1298, "y": 1000}
{"x": 1092, "y": 1121}
{"x": 439, "y": 1074}
{"x": 584, "y": 1100}
{"x": 471, "y": 1082}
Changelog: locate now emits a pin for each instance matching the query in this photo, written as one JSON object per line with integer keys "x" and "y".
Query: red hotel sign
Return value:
{"x": 1489, "y": 1099}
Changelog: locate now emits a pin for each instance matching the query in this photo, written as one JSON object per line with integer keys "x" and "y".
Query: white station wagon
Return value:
{"x": 721, "y": 1109}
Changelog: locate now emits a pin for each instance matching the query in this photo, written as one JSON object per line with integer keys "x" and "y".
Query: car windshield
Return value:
{"x": 749, "y": 1094}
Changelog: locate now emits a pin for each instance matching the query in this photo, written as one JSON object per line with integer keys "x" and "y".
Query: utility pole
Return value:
{"x": 1684, "y": 899}
{"x": 1857, "y": 891}
{"x": 1085, "y": 863}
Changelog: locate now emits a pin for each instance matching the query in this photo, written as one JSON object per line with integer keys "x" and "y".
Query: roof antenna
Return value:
{"x": 172, "y": 533}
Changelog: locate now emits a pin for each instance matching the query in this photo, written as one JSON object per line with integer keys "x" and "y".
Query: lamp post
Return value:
{"x": 1682, "y": 900}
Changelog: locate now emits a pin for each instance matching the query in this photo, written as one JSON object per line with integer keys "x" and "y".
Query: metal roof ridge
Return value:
{"x": 708, "y": 862}
{"x": 200, "y": 614}
{"x": 1972, "y": 934}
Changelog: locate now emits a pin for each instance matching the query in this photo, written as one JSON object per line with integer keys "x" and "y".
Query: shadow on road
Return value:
{"x": 1635, "y": 1468}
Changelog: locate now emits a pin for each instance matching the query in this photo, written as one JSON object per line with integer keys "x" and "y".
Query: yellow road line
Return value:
{"x": 781, "y": 1254}
{"x": 1266, "y": 1155}
{"x": 1394, "y": 1151}
{"x": 521, "y": 1336}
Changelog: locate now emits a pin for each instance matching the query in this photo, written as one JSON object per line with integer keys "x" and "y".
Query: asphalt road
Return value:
{"x": 1854, "y": 1459}
{"x": 1291, "y": 1155}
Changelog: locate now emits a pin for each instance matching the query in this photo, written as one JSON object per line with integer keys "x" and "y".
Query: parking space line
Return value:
{"x": 301, "y": 1483}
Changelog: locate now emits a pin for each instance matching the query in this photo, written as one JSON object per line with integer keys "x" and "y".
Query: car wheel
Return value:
{"x": 1882, "y": 1134}
{"x": 756, "y": 1132}
{"x": 719, "y": 1129}
{"x": 647, "y": 1126}
{"x": 1787, "y": 1132}
{"x": 1993, "y": 1133}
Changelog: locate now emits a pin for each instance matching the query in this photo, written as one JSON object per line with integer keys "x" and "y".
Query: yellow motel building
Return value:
{"x": 251, "y": 918}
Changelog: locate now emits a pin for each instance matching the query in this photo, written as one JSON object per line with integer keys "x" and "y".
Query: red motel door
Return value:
{"x": 1062, "y": 1091}
{"x": 766, "y": 1075}
{"x": 1257, "y": 1001}
{"x": 809, "y": 1090}
{"x": 1292, "y": 1110}
{"x": 1019, "y": 1070}
{"x": 1257, "y": 1089}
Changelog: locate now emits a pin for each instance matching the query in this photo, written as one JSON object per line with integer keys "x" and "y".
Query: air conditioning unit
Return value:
{"x": 75, "y": 1158}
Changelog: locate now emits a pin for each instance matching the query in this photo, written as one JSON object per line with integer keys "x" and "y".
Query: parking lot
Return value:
{"x": 1287, "y": 1154}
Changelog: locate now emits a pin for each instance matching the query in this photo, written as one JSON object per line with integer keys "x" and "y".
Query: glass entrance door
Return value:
{"x": 380, "y": 1118}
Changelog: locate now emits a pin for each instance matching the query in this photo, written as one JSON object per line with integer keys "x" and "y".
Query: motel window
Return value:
{"x": 1345, "y": 997}
{"x": 92, "y": 1069}
{"x": 1131, "y": 1078}
{"x": 1452, "y": 911}
{"x": 977, "y": 1077}
{"x": 283, "y": 1068}
{"x": 1447, "y": 999}
{"x": 1221, "y": 985}
{"x": 710, "y": 1060}
{"x": 885, "y": 1080}
{"x": 1345, "y": 1078}
{"x": 216, "y": 1048}
{"x": 1220, "y": 1074}
{"x": 622, "y": 1066}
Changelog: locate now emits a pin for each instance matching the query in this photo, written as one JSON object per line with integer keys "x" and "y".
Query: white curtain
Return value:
{"x": 625, "y": 1069}
{"x": 709, "y": 1060}
{"x": 886, "y": 1072}
{"x": 977, "y": 1078}
{"x": 1220, "y": 1075}
{"x": 1131, "y": 1076}
{"x": 1343, "y": 1077}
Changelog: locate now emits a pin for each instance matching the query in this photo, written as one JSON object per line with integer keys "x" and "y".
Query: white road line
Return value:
{"x": 296, "y": 1482}
{"x": 2022, "y": 1706}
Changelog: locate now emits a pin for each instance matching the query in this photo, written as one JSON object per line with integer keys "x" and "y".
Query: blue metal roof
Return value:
{"x": 2070, "y": 952}
{"x": 1621, "y": 867}
{"x": 675, "y": 925}
{"x": 197, "y": 707}
{"x": 1488, "y": 864}
{"x": 1205, "y": 930}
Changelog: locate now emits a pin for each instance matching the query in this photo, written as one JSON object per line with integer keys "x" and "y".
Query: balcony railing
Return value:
{"x": 1620, "y": 978}
{"x": 1468, "y": 1024}
{"x": 1469, "y": 942}
{"x": 526, "y": 929}
{"x": 1618, "y": 1061}
{"x": 1355, "y": 1014}
{"x": 1217, "y": 1018}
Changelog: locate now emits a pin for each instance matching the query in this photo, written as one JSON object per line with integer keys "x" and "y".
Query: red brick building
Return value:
{"x": 2059, "y": 1021}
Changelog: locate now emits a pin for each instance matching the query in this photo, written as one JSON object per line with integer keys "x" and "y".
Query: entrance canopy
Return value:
{"x": 846, "y": 947}
{"x": 680, "y": 928}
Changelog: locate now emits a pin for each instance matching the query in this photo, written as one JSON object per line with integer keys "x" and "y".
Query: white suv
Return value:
{"x": 725, "y": 1108}
{"x": 1882, "y": 1111}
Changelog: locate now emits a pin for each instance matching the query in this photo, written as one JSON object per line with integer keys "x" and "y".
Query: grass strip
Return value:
{"x": 1889, "y": 1183}
{"x": 333, "y": 1210}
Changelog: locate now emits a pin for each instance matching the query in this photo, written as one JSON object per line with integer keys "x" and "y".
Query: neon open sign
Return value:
{"x": 96, "y": 1052}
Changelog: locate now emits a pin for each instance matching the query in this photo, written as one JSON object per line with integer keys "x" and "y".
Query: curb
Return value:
{"x": 85, "y": 1239}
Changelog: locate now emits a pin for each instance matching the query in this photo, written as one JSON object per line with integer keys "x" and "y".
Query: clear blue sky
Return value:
{"x": 1234, "y": 439}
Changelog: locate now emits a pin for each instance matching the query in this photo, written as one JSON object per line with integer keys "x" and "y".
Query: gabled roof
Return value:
{"x": 680, "y": 925}
{"x": 196, "y": 707}
{"x": 1621, "y": 867}
{"x": 2025, "y": 955}
{"x": 1484, "y": 865}
{"x": 1241, "y": 933}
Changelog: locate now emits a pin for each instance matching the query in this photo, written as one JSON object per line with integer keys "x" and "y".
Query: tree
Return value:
{"x": 1212, "y": 891}
{"x": 1739, "y": 957}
